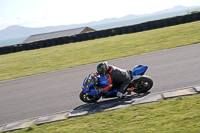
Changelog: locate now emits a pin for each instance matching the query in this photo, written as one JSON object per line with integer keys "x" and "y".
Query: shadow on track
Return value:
{"x": 111, "y": 102}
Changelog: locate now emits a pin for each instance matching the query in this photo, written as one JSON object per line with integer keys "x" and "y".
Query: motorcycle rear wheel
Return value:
{"x": 143, "y": 84}
{"x": 88, "y": 98}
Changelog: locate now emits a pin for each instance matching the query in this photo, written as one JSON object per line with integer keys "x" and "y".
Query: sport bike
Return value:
{"x": 90, "y": 94}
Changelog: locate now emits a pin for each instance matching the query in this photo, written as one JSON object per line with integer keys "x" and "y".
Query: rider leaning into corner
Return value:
{"x": 114, "y": 78}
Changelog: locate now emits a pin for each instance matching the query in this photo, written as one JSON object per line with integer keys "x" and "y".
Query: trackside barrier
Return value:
{"x": 102, "y": 33}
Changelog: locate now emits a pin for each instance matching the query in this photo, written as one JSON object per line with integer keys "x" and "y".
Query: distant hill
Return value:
{"x": 16, "y": 31}
{"x": 176, "y": 8}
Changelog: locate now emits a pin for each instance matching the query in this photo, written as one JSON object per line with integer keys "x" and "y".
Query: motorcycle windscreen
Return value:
{"x": 89, "y": 81}
{"x": 139, "y": 70}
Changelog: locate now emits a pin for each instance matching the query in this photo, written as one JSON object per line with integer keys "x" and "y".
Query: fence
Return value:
{"x": 102, "y": 33}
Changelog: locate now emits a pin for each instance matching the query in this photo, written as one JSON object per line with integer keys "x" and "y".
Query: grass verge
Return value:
{"x": 31, "y": 62}
{"x": 178, "y": 115}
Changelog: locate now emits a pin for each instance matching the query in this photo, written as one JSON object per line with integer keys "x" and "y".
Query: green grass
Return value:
{"x": 178, "y": 115}
{"x": 31, "y": 62}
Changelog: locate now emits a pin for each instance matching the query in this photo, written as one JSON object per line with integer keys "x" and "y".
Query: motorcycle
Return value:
{"x": 90, "y": 94}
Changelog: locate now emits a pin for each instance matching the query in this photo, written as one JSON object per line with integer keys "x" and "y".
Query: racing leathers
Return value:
{"x": 115, "y": 78}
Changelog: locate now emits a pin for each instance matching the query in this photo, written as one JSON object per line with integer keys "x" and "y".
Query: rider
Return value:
{"x": 115, "y": 78}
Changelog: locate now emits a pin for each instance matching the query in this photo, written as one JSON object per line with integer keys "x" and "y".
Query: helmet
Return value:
{"x": 102, "y": 68}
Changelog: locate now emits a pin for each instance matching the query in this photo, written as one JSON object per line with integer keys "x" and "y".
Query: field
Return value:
{"x": 42, "y": 60}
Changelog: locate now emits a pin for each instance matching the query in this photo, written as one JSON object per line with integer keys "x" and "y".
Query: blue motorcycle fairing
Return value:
{"x": 86, "y": 88}
{"x": 103, "y": 82}
{"x": 93, "y": 92}
{"x": 139, "y": 70}
{"x": 104, "y": 94}
{"x": 111, "y": 92}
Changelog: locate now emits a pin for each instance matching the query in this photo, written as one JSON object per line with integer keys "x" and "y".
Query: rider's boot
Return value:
{"x": 129, "y": 90}
{"x": 121, "y": 95}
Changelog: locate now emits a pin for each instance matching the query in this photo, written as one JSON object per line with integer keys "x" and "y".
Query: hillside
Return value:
{"x": 16, "y": 31}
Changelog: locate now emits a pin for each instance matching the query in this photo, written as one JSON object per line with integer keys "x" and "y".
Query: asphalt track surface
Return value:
{"x": 58, "y": 91}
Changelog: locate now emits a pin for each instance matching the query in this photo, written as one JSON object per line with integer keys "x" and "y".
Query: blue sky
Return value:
{"x": 40, "y": 13}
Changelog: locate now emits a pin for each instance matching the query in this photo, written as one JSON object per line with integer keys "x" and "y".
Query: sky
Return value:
{"x": 41, "y": 13}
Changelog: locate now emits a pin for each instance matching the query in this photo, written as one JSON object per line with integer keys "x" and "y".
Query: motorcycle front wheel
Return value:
{"x": 88, "y": 98}
{"x": 143, "y": 84}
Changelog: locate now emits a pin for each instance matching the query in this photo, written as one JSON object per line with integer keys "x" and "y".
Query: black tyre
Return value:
{"x": 143, "y": 84}
{"x": 88, "y": 98}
